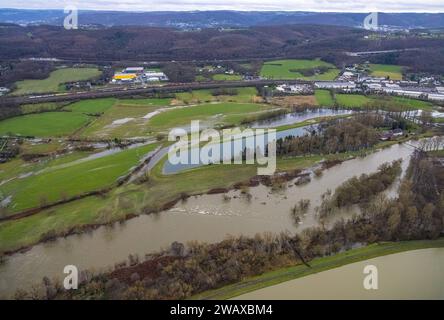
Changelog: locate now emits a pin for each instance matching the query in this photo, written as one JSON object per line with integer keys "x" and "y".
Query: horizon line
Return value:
{"x": 232, "y": 10}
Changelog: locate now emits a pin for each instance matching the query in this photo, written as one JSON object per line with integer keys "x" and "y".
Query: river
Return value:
{"x": 207, "y": 218}
{"x": 417, "y": 274}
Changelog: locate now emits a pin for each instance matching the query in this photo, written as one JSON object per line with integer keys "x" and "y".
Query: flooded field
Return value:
{"x": 417, "y": 274}
{"x": 207, "y": 218}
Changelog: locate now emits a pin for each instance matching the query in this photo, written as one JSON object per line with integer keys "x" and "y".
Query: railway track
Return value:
{"x": 121, "y": 92}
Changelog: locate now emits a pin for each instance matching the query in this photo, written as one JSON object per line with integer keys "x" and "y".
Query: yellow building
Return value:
{"x": 124, "y": 76}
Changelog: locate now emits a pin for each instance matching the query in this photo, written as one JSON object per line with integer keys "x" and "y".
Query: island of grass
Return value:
{"x": 299, "y": 69}
{"x": 55, "y": 80}
{"x": 386, "y": 71}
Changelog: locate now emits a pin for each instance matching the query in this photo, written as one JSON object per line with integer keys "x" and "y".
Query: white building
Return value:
{"x": 294, "y": 88}
{"x": 155, "y": 76}
{"x": 344, "y": 85}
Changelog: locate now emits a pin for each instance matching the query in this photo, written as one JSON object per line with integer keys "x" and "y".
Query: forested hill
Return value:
{"x": 262, "y": 42}
{"x": 205, "y": 19}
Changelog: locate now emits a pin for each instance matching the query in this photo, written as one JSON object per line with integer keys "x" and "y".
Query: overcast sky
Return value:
{"x": 245, "y": 5}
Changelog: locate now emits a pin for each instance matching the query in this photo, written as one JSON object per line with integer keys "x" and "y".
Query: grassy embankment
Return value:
{"x": 317, "y": 265}
{"x": 54, "y": 81}
{"x": 291, "y": 69}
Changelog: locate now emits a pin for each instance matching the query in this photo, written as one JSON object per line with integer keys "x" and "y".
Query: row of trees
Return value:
{"x": 360, "y": 190}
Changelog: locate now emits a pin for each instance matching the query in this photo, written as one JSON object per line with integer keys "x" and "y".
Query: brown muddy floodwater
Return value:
{"x": 208, "y": 218}
{"x": 417, "y": 274}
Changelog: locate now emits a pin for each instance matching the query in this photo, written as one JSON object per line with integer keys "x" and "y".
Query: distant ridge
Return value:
{"x": 218, "y": 19}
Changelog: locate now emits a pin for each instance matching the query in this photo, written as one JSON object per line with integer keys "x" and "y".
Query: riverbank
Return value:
{"x": 317, "y": 265}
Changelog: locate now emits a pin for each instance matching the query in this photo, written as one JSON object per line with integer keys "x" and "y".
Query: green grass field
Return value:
{"x": 247, "y": 94}
{"x": 352, "y": 100}
{"x": 48, "y": 124}
{"x": 324, "y": 98}
{"x": 70, "y": 179}
{"x": 91, "y": 106}
{"x": 386, "y": 70}
{"x": 148, "y": 102}
{"x": 55, "y": 79}
{"x": 286, "y": 69}
{"x": 317, "y": 265}
{"x": 227, "y": 77}
{"x": 413, "y": 104}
